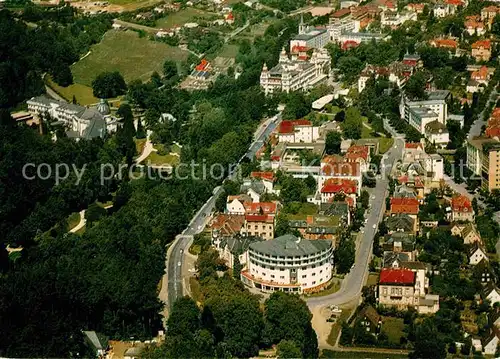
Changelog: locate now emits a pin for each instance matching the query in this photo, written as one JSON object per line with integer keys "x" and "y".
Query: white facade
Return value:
{"x": 441, "y": 10}
{"x": 338, "y": 26}
{"x": 292, "y": 75}
{"x": 419, "y": 117}
{"x": 477, "y": 257}
{"x": 396, "y": 19}
{"x": 310, "y": 37}
{"x": 307, "y": 134}
{"x": 288, "y": 264}
{"x": 235, "y": 206}
{"x": 493, "y": 297}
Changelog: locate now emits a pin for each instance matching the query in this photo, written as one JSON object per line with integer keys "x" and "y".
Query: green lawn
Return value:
{"x": 229, "y": 50}
{"x": 333, "y": 287}
{"x": 393, "y": 327}
{"x": 334, "y": 333}
{"x": 82, "y": 93}
{"x": 139, "y": 145}
{"x": 182, "y": 17}
{"x": 365, "y": 131}
{"x": 126, "y": 52}
{"x": 385, "y": 144}
{"x": 301, "y": 210}
{"x": 155, "y": 159}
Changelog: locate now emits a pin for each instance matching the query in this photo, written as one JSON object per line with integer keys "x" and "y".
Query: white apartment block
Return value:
{"x": 309, "y": 37}
{"x": 297, "y": 131}
{"x": 293, "y": 75}
{"x": 288, "y": 264}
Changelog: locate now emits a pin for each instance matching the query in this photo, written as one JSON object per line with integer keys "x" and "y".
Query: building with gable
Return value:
{"x": 461, "y": 209}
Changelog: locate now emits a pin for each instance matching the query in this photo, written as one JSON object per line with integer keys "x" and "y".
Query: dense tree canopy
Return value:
{"x": 108, "y": 85}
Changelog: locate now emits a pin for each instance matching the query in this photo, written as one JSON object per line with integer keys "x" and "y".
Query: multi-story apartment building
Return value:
{"x": 340, "y": 21}
{"x": 420, "y": 113}
{"x": 397, "y": 288}
{"x": 297, "y": 131}
{"x": 288, "y": 264}
{"x": 298, "y": 74}
{"x": 483, "y": 159}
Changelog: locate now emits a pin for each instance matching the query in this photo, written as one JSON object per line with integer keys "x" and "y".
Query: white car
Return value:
{"x": 373, "y": 197}
{"x": 179, "y": 264}
{"x": 374, "y": 226}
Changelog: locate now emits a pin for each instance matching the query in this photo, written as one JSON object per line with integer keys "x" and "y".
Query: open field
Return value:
{"x": 139, "y": 145}
{"x": 182, "y": 17}
{"x": 229, "y": 50}
{"x": 155, "y": 159}
{"x": 126, "y": 52}
{"x": 385, "y": 144}
{"x": 393, "y": 327}
{"x": 82, "y": 93}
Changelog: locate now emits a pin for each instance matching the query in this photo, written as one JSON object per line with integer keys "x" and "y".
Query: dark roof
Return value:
{"x": 436, "y": 127}
{"x": 400, "y": 222}
{"x": 238, "y": 245}
{"x": 96, "y": 128}
{"x": 391, "y": 257}
{"x": 413, "y": 265}
{"x": 334, "y": 209}
{"x": 371, "y": 314}
{"x": 291, "y": 246}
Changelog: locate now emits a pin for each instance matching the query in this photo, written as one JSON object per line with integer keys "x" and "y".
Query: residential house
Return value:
{"x": 417, "y": 8}
{"x": 404, "y": 191}
{"x": 448, "y": 44}
{"x": 474, "y": 26}
{"x": 467, "y": 231}
{"x": 488, "y": 14}
{"x": 491, "y": 293}
{"x": 226, "y": 225}
{"x": 359, "y": 154}
{"x": 401, "y": 223}
{"x": 396, "y": 288}
{"x": 483, "y": 272}
{"x": 409, "y": 206}
{"x": 399, "y": 242}
{"x": 236, "y": 204}
{"x": 461, "y": 209}
{"x": 336, "y": 209}
{"x": 394, "y": 259}
{"x": 316, "y": 227}
{"x": 337, "y": 186}
{"x": 335, "y": 168}
{"x": 441, "y": 10}
{"x": 370, "y": 319}
{"x": 437, "y": 133}
{"x": 260, "y": 219}
{"x": 481, "y": 50}
{"x": 477, "y": 254}
{"x": 483, "y": 158}
{"x": 268, "y": 179}
{"x": 230, "y": 248}
{"x": 490, "y": 341}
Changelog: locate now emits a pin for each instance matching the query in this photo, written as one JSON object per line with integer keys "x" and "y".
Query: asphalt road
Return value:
{"x": 175, "y": 257}
{"x": 354, "y": 281}
{"x": 475, "y": 129}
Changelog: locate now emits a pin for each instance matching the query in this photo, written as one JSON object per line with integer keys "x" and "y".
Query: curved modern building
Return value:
{"x": 289, "y": 264}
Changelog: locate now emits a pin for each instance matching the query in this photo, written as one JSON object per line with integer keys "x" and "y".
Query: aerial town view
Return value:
{"x": 249, "y": 179}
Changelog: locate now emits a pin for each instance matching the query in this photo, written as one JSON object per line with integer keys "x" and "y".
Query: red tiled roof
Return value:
{"x": 461, "y": 204}
{"x": 449, "y": 43}
{"x": 298, "y": 48}
{"x": 288, "y": 126}
{"x": 356, "y": 152}
{"x": 203, "y": 65}
{"x": 341, "y": 13}
{"x": 404, "y": 205}
{"x": 228, "y": 224}
{"x": 346, "y": 45}
{"x": 455, "y": 2}
{"x": 492, "y": 131}
{"x": 268, "y": 176}
{"x": 396, "y": 276}
{"x": 260, "y": 207}
{"x": 496, "y": 113}
{"x": 230, "y": 16}
{"x": 337, "y": 185}
{"x": 482, "y": 43}
{"x": 258, "y": 218}
{"x": 341, "y": 169}
{"x": 414, "y": 145}
{"x": 481, "y": 74}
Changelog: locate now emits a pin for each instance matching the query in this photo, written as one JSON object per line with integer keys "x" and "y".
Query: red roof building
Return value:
{"x": 356, "y": 153}
{"x": 341, "y": 169}
{"x": 404, "y": 205}
{"x": 288, "y": 126}
{"x": 203, "y": 65}
{"x": 267, "y": 176}
{"x": 416, "y": 7}
{"x": 260, "y": 208}
{"x": 461, "y": 204}
{"x": 414, "y": 145}
{"x": 480, "y": 75}
{"x": 341, "y": 13}
{"x": 444, "y": 43}
{"x": 336, "y": 185}
{"x": 349, "y": 44}
{"x": 397, "y": 276}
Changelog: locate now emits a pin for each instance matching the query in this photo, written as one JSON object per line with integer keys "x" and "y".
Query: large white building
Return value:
{"x": 79, "y": 121}
{"x": 288, "y": 264}
{"x": 309, "y": 38}
{"x": 297, "y": 131}
{"x": 297, "y": 74}
{"x": 420, "y": 113}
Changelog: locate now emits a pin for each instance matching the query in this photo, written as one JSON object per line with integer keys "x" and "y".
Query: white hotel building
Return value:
{"x": 296, "y": 74}
{"x": 288, "y": 264}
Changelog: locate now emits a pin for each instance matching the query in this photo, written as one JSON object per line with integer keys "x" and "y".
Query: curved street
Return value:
{"x": 353, "y": 282}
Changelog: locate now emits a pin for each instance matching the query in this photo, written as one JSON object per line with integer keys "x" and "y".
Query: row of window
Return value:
{"x": 323, "y": 262}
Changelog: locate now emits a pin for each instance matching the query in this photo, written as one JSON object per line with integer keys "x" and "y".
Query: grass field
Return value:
{"x": 139, "y": 145}
{"x": 385, "y": 144}
{"x": 126, "y": 52}
{"x": 393, "y": 327}
{"x": 82, "y": 93}
{"x": 160, "y": 160}
{"x": 229, "y": 50}
{"x": 332, "y": 337}
{"x": 182, "y": 17}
